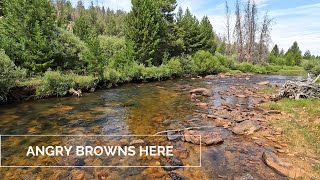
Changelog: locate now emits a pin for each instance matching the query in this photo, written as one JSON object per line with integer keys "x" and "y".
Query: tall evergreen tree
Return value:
{"x": 207, "y": 35}
{"x": 190, "y": 32}
{"x": 168, "y": 31}
{"x": 29, "y": 33}
{"x": 293, "y": 55}
{"x": 307, "y": 55}
{"x": 275, "y": 51}
{"x": 143, "y": 31}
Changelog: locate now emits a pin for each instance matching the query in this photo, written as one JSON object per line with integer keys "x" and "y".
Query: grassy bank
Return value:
{"x": 58, "y": 83}
{"x": 300, "y": 121}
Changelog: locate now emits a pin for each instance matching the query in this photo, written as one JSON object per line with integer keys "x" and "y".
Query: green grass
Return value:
{"x": 270, "y": 90}
{"x": 291, "y": 71}
{"x": 302, "y": 127}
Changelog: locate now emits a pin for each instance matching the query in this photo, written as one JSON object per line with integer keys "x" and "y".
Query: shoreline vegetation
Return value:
{"x": 54, "y": 48}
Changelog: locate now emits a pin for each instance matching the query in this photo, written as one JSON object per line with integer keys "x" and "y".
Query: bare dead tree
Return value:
{"x": 238, "y": 32}
{"x": 265, "y": 37}
{"x": 250, "y": 29}
{"x": 228, "y": 27}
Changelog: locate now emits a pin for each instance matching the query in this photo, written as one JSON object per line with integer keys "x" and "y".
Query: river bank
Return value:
{"x": 57, "y": 84}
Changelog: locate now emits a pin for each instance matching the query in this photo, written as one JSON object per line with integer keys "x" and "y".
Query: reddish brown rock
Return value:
{"x": 282, "y": 166}
{"x": 246, "y": 127}
{"x": 207, "y": 138}
{"x": 201, "y": 91}
{"x": 137, "y": 142}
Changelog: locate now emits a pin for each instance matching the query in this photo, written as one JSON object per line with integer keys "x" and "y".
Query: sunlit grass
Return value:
{"x": 302, "y": 127}
{"x": 291, "y": 71}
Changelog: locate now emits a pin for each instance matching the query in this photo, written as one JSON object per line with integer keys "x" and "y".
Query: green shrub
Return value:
{"x": 111, "y": 76}
{"x": 245, "y": 67}
{"x": 9, "y": 75}
{"x": 174, "y": 67}
{"x": 188, "y": 65}
{"x": 72, "y": 52}
{"x": 226, "y": 61}
{"x": 316, "y": 70}
{"x": 54, "y": 83}
{"x": 84, "y": 82}
{"x": 206, "y": 62}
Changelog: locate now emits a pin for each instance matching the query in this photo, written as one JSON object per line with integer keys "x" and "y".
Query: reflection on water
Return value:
{"x": 135, "y": 109}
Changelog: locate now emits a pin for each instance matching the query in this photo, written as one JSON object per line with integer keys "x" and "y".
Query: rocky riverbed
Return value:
{"x": 237, "y": 141}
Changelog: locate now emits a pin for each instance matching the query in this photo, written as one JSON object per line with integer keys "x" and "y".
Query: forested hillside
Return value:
{"x": 56, "y": 48}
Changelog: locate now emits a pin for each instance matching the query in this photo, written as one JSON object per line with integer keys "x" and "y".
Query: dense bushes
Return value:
{"x": 207, "y": 63}
{"x": 54, "y": 83}
{"x": 72, "y": 49}
{"x": 9, "y": 75}
{"x": 312, "y": 66}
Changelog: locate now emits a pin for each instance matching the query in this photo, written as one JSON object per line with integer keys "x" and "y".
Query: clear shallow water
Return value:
{"x": 136, "y": 109}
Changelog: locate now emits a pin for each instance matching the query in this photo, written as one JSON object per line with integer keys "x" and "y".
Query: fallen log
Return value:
{"x": 304, "y": 89}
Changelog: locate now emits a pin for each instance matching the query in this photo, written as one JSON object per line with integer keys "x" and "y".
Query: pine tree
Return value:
{"x": 190, "y": 32}
{"x": 207, "y": 35}
{"x": 307, "y": 55}
{"x": 168, "y": 30}
{"x": 29, "y": 33}
{"x": 293, "y": 55}
{"x": 275, "y": 51}
{"x": 143, "y": 31}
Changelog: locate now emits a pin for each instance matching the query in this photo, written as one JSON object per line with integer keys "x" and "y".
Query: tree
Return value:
{"x": 275, "y": 51}
{"x": 9, "y": 74}
{"x": 190, "y": 32}
{"x": 208, "y": 36}
{"x": 29, "y": 33}
{"x": 228, "y": 27}
{"x": 143, "y": 25}
{"x": 307, "y": 55}
{"x": 250, "y": 29}
{"x": 167, "y": 28}
{"x": 265, "y": 39}
{"x": 238, "y": 32}
{"x": 293, "y": 55}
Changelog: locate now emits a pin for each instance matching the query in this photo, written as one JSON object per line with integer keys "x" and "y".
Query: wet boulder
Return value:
{"x": 201, "y": 91}
{"x": 211, "y": 77}
{"x": 282, "y": 166}
{"x": 137, "y": 142}
{"x": 174, "y": 135}
{"x": 206, "y": 138}
{"x": 170, "y": 164}
{"x": 264, "y": 83}
{"x": 246, "y": 127}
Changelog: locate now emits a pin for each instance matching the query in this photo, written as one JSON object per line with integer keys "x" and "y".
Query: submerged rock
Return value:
{"x": 174, "y": 135}
{"x": 170, "y": 164}
{"x": 137, "y": 142}
{"x": 175, "y": 176}
{"x": 246, "y": 127}
{"x": 211, "y": 77}
{"x": 201, "y": 91}
{"x": 207, "y": 138}
{"x": 263, "y": 83}
{"x": 281, "y": 166}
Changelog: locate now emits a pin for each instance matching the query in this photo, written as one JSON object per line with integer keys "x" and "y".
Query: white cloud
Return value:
{"x": 297, "y": 24}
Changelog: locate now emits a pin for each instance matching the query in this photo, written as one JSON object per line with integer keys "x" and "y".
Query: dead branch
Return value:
{"x": 300, "y": 89}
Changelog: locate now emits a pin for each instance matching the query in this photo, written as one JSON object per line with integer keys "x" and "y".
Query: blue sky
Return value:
{"x": 294, "y": 20}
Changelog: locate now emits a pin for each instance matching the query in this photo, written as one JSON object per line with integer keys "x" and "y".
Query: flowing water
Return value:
{"x": 131, "y": 109}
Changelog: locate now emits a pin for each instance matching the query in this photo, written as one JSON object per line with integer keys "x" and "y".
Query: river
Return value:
{"x": 136, "y": 109}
